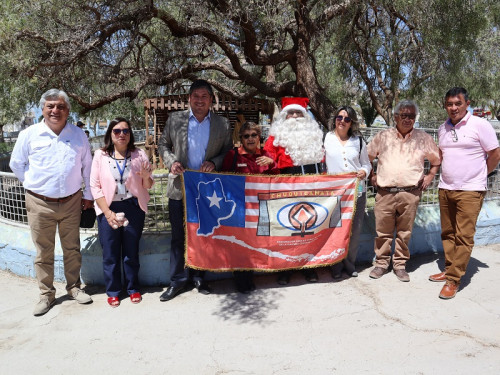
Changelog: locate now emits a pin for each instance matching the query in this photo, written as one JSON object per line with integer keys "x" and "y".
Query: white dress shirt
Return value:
{"x": 52, "y": 165}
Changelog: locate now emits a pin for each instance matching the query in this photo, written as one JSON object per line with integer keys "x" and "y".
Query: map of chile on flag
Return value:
{"x": 257, "y": 222}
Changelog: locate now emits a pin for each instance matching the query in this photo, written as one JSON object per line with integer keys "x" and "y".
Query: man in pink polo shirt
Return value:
{"x": 400, "y": 180}
{"x": 469, "y": 151}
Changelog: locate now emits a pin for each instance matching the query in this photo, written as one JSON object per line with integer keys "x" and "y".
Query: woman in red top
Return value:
{"x": 249, "y": 158}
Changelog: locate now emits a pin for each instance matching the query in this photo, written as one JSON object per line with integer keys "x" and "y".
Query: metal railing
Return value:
{"x": 430, "y": 196}
{"x": 13, "y": 208}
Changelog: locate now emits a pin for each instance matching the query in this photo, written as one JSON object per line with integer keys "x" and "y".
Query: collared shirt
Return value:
{"x": 464, "y": 160}
{"x": 401, "y": 160}
{"x": 341, "y": 158}
{"x": 52, "y": 165}
{"x": 198, "y": 134}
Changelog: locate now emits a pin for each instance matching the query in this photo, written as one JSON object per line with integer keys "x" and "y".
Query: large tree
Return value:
{"x": 482, "y": 72}
{"x": 101, "y": 51}
{"x": 393, "y": 48}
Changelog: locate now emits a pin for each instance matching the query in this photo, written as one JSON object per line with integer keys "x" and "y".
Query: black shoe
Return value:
{"x": 284, "y": 277}
{"x": 202, "y": 287}
{"x": 243, "y": 289}
{"x": 336, "y": 270}
{"x": 171, "y": 292}
{"x": 251, "y": 286}
{"x": 310, "y": 275}
{"x": 243, "y": 281}
{"x": 241, "y": 284}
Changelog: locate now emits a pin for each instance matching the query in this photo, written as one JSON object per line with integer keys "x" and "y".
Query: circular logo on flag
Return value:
{"x": 302, "y": 216}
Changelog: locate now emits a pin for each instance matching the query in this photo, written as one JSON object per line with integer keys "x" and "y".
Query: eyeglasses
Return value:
{"x": 404, "y": 116}
{"x": 294, "y": 112}
{"x": 454, "y": 135}
{"x": 346, "y": 119}
{"x": 118, "y": 131}
{"x": 253, "y": 135}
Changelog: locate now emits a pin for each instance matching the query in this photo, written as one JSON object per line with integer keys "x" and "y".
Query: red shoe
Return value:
{"x": 136, "y": 297}
{"x": 113, "y": 301}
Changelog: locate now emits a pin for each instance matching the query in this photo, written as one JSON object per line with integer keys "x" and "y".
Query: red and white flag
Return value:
{"x": 249, "y": 222}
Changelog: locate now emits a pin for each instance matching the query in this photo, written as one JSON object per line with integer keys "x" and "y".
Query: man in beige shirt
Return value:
{"x": 400, "y": 180}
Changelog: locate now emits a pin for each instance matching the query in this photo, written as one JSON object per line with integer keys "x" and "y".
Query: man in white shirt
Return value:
{"x": 52, "y": 159}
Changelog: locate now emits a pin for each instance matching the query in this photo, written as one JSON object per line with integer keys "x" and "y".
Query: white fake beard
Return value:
{"x": 301, "y": 138}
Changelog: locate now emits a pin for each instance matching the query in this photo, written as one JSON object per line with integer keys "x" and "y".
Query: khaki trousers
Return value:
{"x": 459, "y": 212}
{"x": 394, "y": 211}
{"x": 44, "y": 218}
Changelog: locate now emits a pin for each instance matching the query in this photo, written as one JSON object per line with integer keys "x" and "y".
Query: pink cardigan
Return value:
{"x": 102, "y": 183}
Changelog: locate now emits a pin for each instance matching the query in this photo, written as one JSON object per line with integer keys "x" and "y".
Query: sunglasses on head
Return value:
{"x": 346, "y": 119}
{"x": 454, "y": 136}
{"x": 404, "y": 116}
{"x": 253, "y": 135}
{"x": 118, "y": 131}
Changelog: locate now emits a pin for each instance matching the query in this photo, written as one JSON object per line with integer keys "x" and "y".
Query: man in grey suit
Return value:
{"x": 196, "y": 139}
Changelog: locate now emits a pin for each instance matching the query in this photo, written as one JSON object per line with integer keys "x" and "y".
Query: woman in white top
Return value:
{"x": 346, "y": 152}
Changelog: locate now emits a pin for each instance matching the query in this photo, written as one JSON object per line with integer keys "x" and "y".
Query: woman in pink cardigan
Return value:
{"x": 119, "y": 179}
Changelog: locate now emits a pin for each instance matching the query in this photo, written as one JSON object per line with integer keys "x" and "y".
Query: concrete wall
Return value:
{"x": 17, "y": 252}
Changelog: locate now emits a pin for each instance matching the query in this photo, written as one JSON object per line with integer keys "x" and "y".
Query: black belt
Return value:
{"x": 51, "y": 200}
{"x": 301, "y": 169}
{"x": 396, "y": 189}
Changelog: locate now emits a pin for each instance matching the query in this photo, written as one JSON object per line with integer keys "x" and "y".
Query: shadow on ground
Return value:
{"x": 255, "y": 307}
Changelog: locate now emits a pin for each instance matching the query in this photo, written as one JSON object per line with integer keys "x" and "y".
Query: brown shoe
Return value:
{"x": 449, "y": 290}
{"x": 402, "y": 275}
{"x": 378, "y": 272}
{"x": 438, "y": 277}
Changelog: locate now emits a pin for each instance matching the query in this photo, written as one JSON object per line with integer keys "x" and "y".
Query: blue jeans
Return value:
{"x": 121, "y": 246}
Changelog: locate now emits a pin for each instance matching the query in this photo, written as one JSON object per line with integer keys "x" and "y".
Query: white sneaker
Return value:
{"x": 79, "y": 296}
{"x": 43, "y": 306}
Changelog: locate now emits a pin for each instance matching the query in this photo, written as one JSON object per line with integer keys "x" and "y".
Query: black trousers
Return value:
{"x": 179, "y": 274}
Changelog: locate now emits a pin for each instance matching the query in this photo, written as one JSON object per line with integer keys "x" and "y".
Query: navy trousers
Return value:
{"x": 179, "y": 274}
{"x": 121, "y": 246}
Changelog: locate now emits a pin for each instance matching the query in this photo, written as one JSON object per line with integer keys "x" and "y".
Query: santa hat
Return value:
{"x": 298, "y": 104}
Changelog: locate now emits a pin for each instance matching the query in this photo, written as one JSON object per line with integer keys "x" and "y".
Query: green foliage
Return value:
{"x": 6, "y": 147}
{"x": 367, "y": 109}
{"x": 110, "y": 54}
{"x": 401, "y": 49}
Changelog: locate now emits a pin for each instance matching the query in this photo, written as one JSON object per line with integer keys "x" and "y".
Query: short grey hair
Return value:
{"x": 405, "y": 104}
{"x": 54, "y": 94}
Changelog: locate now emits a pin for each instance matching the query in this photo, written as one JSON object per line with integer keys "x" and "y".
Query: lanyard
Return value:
{"x": 120, "y": 169}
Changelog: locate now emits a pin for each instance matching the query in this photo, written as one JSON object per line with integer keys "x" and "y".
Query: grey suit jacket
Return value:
{"x": 173, "y": 145}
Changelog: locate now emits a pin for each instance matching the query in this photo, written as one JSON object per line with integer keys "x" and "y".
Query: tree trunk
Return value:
{"x": 307, "y": 82}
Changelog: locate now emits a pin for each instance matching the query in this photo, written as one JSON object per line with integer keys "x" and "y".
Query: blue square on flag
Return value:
{"x": 217, "y": 198}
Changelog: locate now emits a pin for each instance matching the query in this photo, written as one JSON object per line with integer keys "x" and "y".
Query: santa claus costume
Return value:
{"x": 296, "y": 144}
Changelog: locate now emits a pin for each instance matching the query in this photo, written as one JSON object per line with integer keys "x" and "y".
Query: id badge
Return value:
{"x": 121, "y": 189}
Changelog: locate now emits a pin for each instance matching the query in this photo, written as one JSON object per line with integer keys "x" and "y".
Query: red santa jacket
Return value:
{"x": 278, "y": 154}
